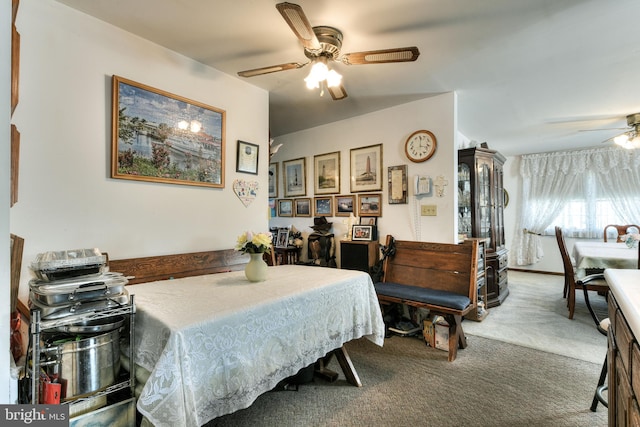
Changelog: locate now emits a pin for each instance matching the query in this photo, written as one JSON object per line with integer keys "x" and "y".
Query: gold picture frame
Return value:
{"x": 326, "y": 173}
{"x": 295, "y": 177}
{"x": 366, "y": 168}
{"x": 161, "y": 137}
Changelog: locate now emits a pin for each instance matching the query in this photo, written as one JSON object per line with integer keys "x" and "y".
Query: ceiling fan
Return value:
{"x": 321, "y": 45}
{"x": 628, "y": 139}
{"x": 631, "y": 138}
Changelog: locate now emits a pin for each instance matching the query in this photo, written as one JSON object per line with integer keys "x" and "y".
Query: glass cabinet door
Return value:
{"x": 484, "y": 200}
{"x": 464, "y": 200}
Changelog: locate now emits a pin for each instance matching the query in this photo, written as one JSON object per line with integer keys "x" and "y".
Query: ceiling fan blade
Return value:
{"x": 295, "y": 17}
{"x": 402, "y": 54}
{"x": 271, "y": 69}
{"x": 337, "y": 92}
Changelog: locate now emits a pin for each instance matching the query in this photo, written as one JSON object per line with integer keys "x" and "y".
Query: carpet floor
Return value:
{"x": 535, "y": 315}
{"x": 502, "y": 380}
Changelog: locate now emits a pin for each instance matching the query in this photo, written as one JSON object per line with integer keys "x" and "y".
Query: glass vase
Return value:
{"x": 256, "y": 268}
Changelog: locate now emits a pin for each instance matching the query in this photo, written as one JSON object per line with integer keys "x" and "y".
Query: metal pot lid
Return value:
{"x": 69, "y": 285}
{"x": 93, "y": 326}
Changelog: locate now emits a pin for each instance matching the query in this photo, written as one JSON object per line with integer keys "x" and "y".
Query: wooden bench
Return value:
{"x": 437, "y": 276}
{"x": 174, "y": 266}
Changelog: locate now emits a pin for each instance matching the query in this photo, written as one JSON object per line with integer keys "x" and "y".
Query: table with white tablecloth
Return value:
{"x": 214, "y": 343}
{"x": 601, "y": 255}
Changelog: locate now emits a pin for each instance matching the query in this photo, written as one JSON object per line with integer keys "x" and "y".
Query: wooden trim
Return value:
{"x": 15, "y": 56}
{"x": 15, "y": 163}
{"x": 24, "y": 310}
{"x": 163, "y": 267}
{"x": 524, "y": 270}
{"x": 17, "y": 245}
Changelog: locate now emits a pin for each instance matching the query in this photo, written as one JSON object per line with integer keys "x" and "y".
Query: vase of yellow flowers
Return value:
{"x": 255, "y": 244}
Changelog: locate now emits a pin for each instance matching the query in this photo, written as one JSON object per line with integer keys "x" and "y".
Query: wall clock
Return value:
{"x": 420, "y": 146}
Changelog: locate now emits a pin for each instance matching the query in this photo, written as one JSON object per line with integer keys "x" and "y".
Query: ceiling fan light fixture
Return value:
{"x": 320, "y": 72}
{"x": 333, "y": 78}
{"x": 621, "y": 139}
{"x": 628, "y": 140}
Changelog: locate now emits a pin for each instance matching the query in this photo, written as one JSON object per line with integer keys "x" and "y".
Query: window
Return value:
{"x": 580, "y": 191}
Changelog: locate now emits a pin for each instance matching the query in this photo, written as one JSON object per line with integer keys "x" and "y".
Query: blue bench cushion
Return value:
{"x": 424, "y": 295}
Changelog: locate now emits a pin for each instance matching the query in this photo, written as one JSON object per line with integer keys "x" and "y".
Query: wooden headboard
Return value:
{"x": 163, "y": 267}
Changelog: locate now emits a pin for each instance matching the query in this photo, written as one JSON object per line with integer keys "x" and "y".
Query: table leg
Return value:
{"x": 345, "y": 364}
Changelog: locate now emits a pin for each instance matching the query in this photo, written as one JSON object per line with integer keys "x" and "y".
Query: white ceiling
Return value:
{"x": 530, "y": 75}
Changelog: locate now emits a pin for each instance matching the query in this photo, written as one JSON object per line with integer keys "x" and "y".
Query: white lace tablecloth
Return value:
{"x": 591, "y": 254}
{"x": 214, "y": 343}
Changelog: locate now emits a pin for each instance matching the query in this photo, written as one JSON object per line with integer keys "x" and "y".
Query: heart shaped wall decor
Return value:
{"x": 245, "y": 190}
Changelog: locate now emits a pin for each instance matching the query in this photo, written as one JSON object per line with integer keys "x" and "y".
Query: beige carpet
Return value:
{"x": 535, "y": 315}
{"x": 500, "y": 379}
{"x": 406, "y": 383}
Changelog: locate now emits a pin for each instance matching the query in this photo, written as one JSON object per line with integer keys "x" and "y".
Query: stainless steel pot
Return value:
{"x": 84, "y": 366}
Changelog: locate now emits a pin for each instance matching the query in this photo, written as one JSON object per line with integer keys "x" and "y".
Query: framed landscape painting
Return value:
{"x": 344, "y": 205}
{"x": 303, "y": 207}
{"x": 370, "y": 204}
{"x": 366, "y": 168}
{"x": 161, "y": 137}
{"x": 323, "y": 206}
{"x": 295, "y": 177}
{"x": 273, "y": 180}
{"x": 326, "y": 173}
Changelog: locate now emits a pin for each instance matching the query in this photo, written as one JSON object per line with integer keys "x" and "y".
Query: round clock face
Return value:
{"x": 420, "y": 146}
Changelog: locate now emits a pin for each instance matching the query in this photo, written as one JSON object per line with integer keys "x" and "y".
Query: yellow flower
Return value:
{"x": 253, "y": 243}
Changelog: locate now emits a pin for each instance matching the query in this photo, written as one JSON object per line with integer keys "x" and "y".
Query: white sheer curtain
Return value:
{"x": 549, "y": 180}
{"x": 618, "y": 176}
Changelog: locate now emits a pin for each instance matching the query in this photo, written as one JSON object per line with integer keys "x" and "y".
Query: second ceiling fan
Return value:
{"x": 321, "y": 45}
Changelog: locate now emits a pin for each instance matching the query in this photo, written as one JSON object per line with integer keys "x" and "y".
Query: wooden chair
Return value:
{"x": 594, "y": 282}
{"x": 621, "y": 230}
{"x": 270, "y": 257}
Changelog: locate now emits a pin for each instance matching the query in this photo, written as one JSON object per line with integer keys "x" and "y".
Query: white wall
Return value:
{"x": 5, "y": 144}
{"x": 389, "y": 127}
{"x": 67, "y": 199}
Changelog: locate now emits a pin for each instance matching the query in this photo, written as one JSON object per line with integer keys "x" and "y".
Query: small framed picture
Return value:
{"x": 283, "y": 238}
{"x": 369, "y": 220}
{"x": 397, "y": 177}
{"x": 272, "y": 208}
{"x": 326, "y": 173}
{"x": 273, "y": 180}
{"x": 370, "y": 204}
{"x": 295, "y": 177}
{"x": 323, "y": 206}
{"x": 303, "y": 207}
{"x": 362, "y": 232}
{"x": 285, "y": 207}
{"x": 247, "y": 158}
{"x": 344, "y": 205}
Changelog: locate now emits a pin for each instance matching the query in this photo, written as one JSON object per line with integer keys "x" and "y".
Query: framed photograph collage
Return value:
{"x": 366, "y": 180}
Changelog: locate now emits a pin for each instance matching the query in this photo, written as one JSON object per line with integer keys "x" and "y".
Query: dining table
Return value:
{"x": 592, "y": 256}
{"x": 210, "y": 345}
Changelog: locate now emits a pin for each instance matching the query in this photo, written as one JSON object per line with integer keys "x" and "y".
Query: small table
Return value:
{"x": 601, "y": 255}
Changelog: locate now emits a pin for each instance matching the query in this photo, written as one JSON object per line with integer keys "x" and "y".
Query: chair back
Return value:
{"x": 566, "y": 258}
{"x": 270, "y": 257}
{"x": 621, "y": 230}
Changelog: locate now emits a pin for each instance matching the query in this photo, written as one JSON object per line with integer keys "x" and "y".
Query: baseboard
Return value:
{"x": 524, "y": 270}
